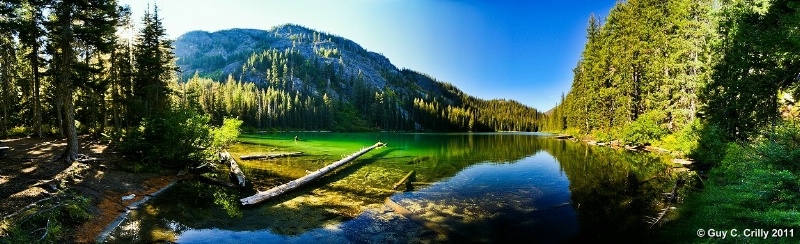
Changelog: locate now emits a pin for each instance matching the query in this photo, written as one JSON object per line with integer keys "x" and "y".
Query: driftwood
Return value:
{"x": 133, "y": 206}
{"x": 269, "y": 156}
{"x": 278, "y": 190}
{"x": 663, "y": 212}
{"x": 235, "y": 170}
{"x": 405, "y": 181}
{"x": 683, "y": 162}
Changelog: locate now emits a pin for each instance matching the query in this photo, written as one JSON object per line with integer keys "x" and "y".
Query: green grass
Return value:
{"x": 744, "y": 191}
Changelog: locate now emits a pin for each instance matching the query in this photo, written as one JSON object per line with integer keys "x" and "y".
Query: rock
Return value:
{"x": 128, "y": 197}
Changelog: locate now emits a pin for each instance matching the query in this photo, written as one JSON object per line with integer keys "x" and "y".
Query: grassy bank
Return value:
{"x": 739, "y": 195}
{"x": 752, "y": 185}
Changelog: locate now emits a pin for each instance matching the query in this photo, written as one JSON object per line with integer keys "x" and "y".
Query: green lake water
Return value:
{"x": 468, "y": 187}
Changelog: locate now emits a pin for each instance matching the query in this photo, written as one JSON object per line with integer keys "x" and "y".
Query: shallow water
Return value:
{"x": 477, "y": 187}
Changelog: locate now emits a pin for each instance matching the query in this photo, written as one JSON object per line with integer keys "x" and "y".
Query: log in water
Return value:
{"x": 406, "y": 180}
{"x": 235, "y": 170}
{"x": 278, "y": 190}
{"x": 269, "y": 156}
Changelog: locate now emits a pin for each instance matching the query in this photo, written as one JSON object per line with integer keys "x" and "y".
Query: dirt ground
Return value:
{"x": 30, "y": 161}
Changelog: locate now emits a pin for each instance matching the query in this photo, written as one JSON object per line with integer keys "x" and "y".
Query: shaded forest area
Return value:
{"x": 79, "y": 67}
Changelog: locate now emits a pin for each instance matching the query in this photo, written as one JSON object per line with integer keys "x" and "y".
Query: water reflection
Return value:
{"x": 476, "y": 187}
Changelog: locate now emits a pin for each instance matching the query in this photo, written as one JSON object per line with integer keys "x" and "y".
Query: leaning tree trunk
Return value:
{"x": 71, "y": 152}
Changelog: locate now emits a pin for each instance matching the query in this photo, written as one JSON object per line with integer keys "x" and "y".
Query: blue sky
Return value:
{"x": 520, "y": 50}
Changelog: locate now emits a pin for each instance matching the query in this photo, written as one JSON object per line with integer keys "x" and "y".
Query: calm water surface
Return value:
{"x": 492, "y": 187}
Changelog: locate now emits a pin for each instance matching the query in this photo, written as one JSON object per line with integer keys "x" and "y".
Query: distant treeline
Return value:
{"x": 285, "y": 102}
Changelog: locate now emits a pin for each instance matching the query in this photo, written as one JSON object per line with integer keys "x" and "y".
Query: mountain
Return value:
{"x": 300, "y": 76}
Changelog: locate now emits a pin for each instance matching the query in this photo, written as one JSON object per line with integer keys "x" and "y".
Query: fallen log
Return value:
{"x": 133, "y": 206}
{"x": 405, "y": 181}
{"x": 278, "y": 190}
{"x": 235, "y": 170}
{"x": 683, "y": 162}
{"x": 669, "y": 200}
{"x": 269, "y": 156}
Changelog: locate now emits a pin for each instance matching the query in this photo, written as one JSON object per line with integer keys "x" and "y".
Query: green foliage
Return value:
{"x": 226, "y": 134}
{"x": 18, "y": 131}
{"x": 743, "y": 190}
{"x": 759, "y": 57}
{"x": 779, "y": 145}
{"x": 50, "y": 222}
{"x": 605, "y": 135}
{"x": 685, "y": 141}
{"x": 646, "y": 129}
{"x": 171, "y": 139}
{"x": 711, "y": 145}
{"x": 752, "y": 183}
{"x": 646, "y": 56}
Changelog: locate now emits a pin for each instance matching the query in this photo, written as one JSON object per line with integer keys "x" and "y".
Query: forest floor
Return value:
{"x": 30, "y": 162}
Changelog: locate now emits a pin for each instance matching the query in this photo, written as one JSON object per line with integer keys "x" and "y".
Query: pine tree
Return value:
{"x": 154, "y": 63}
{"x": 31, "y": 33}
{"x": 90, "y": 24}
{"x": 7, "y": 60}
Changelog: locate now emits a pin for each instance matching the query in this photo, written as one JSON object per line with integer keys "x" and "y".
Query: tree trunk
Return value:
{"x": 269, "y": 156}
{"x": 37, "y": 107}
{"x": 6, "y": 60}
{"x": 405, "y": 181}
{"x": 235, "y": 170}
{"x": 71, "y": 152}
{"x": 103, "y": 113}
{"x": 59, "y": 111}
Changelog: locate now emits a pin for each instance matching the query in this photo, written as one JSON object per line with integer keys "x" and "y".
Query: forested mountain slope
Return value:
{"x": 292, "y": 77}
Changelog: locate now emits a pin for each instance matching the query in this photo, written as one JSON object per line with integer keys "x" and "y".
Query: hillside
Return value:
{"x": 304, "y": 79}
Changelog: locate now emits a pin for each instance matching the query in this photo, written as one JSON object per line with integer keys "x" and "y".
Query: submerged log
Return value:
{"x": 269, "y": 156}
{"x": 278, "y": 190}
{"x": 406, "y": 180}
{"x": 669, "y": 200}
{"x": 235, "y": 170}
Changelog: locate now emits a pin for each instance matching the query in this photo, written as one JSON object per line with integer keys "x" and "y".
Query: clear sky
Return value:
{"x": 520, "y": 50}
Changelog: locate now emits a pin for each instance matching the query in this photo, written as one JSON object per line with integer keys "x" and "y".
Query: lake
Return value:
{"x": 467, "y": 187}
